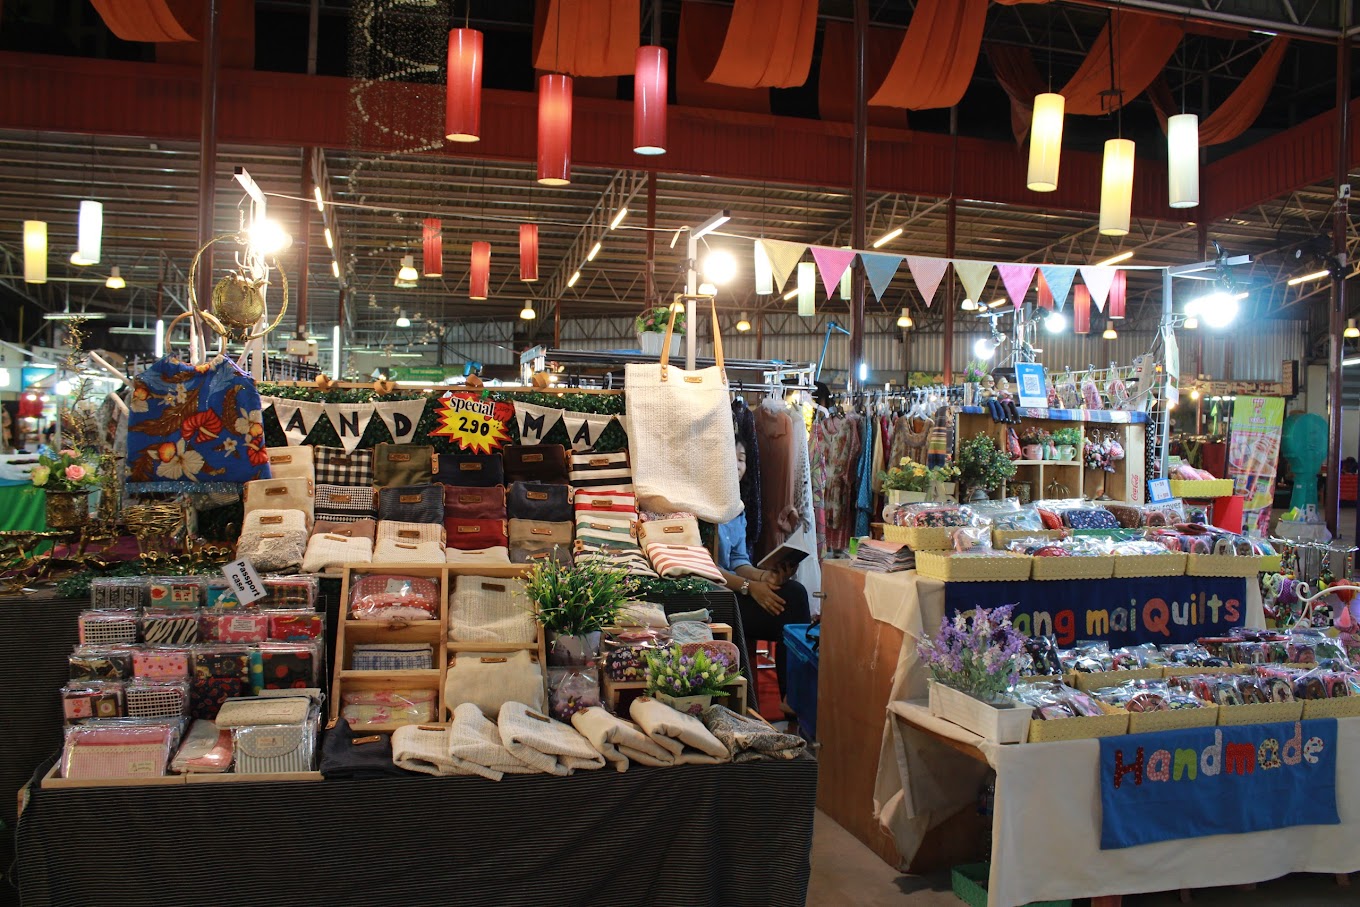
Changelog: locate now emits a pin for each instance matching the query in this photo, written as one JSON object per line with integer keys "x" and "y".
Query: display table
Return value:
{"x": 688, "y": 835}
{"x": 23, "y": 506}
{"x": 1046, "y": 825}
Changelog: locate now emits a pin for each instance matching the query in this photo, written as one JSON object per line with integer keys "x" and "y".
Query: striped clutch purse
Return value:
{"x": 601, "y": 471}
{"x": 683, "y": 560}
{"x": 268, "y": 749}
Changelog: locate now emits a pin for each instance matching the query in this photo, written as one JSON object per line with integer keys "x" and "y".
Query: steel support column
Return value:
{"x": 207, "y": 143}
{"x": 859, "y": 198}
{"x": 1337, "y": 309}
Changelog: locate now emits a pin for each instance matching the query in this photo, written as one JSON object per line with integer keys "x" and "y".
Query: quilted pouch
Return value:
{"x": 473, "y": 534}
{"x": 345, "y": 503}
{"x": 398, "y": 465}
{"x": 471, "y": 503}
{"x": 471, "y": 470}
{"x": 333, "y": 466}
{"x": 538, "y": 501}
{"x": 161, "y": 664}
{"x": 545, "y": 463}
{"x": 292, "y": 463}
{"x": 539, "y": 534}
{"x": 281, "y": 494}
{"x": 412, "y": 504}
{"x": 1090, "y": 518}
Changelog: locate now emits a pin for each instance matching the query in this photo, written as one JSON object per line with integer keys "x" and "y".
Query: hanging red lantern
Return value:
{"x": 463, "y": 90}
{"x": 1045, "y": 293}
{"x": 649, "y": 100}
{"x": 528, "y": 252}
{"x": 1119, "y": 295}
{"x": 1081, "y": 310}
{"x": 433, "y": 248}
{"x": 554, "y": 129}
{"x": 479, "y": 280}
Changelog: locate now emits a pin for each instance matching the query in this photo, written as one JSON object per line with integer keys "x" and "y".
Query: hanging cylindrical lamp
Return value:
{"x": 35, "y": 251}
{"x": 528, "y": 252}
{"x": 554, "y": 129}
{"x": 89, "y": 231}
{"x": 807, "y": 288}
{"x": 1182, "y": 160}
{"x": 1081, "y": 310}
{"x": 1045, "y": 142}
{"x": 649, "y": 100}
{"x": 433, "y": 248}
{"x": 479, "y": 278}
{"x": 1116, "y": 187}
{"x": 463, "y": 90}
{"x": 764, "y": 271}
{"x": 1119, "y": 295}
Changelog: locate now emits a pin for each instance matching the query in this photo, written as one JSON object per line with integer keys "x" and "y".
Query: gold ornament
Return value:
{"x": 238, "y": 302}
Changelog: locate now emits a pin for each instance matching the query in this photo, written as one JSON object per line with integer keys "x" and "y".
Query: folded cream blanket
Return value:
{"x": 474, "y": 746}
{"x": 618, "y": 740}
{"x": 418, "y": 748}
{"x": 542, "y": 743}
{"x": 684, "y": 735}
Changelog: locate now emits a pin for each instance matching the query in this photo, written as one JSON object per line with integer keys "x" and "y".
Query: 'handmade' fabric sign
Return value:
{"x": 1216, "y": 781}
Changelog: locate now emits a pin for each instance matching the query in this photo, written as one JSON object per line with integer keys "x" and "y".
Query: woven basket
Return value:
{"x": 1259, "y": 713}
{"x": 1341, "y": 707}
{"x": 1002, "y": 568}
{"x": 922, "y": 538}
{"x": 1201, "y": 489}
{"x": 1222, "y": 565}
{"x": 1170, "y": 564}
{"x": 1093, "y": 567}
{"x": 1142, "y": 722}
{"x": 1003, "y": 537}
{"x": 1081, "y": 728}
{"x": 1095, "y": 680}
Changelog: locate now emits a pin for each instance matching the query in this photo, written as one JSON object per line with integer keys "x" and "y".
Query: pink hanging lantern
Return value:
{"x": 463, "y": 90}
{"x": 1081, "y": 310}
{"x": 528, "y": 252}
{"x": 1045, "y": 293}
{"x": 433, "y": 248}
{"x": 1119, "y": 295}
{"x": 649, "y": 100}
{"x": 479, "y": 279}
{"x": 554, "y": 129}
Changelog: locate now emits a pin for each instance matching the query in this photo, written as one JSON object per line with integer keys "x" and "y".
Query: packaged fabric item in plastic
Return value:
{"x": 329, "y": 550}
{"x": 100, "y": 663}
{"x": 624, "y": 652}
{"x": 113, "y": 593}
{"x": 972, "y": 539}
{"x": 221, "y": 661}
{"x": 1090, "y": 517}
{"x": 220, "y": 595}
{"x": 490, "y": 679}
{"x": 1055, "y": 700}
{"x": 206, "y": 749}
{"x": 161, "y": 663}
{"x": 392, "y": 596}
{"x": 289, "y": 592}
{"x": 936, "y": 515}
{"x": 1025, "y": 518}
{"x": 1313, "y": 645}
{"x": 235, "y": 626}
{"x": 208, "y": 694}
{"x": 392, "y": 656}
{"x": 175, "y": 593}
{"x": 96, "y": 628}
{"x": 102, "y": 752}
{"x": 169, "y": 628}
{"x": 1149, "y": 696}
{"x": 572, "y": 690}
{"x": 642, "y": 614}
{"x": 248, "y": 711}
{"x": 284, "y": 665}
{"x": 274, "y": 749}
{"x": 157, "y": 698}
{"x": 92, "y": 699}
{"x": 295, "y": 625}
{"x": 491, "y": 609}
{"x": 376, "y": 708}
{"x": 495, "y": 556}
{"x": 1128, "y": 516}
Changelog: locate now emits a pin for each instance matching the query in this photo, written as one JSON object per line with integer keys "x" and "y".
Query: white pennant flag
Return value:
{"x": 535, "y": 421}
{"x": 297, "y": 418}
{"x": 1098, "y": 280}
{"x": 350, "y": 421}
{"x": 401, "y": 418}
{"x": 584, "y": 429}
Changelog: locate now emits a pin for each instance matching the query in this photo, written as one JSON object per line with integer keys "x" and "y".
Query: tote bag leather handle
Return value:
{"x": 670, "y": 330}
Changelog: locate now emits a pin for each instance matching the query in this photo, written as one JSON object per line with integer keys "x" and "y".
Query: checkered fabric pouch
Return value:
{"x": 345, "y": 503}
{"x": 335, "y": 467}
{"x": 412, "y": 656}
{"x": 156, "y": 700}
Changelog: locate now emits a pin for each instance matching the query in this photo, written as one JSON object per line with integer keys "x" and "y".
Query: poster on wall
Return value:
{"x": 1254, "y": 455}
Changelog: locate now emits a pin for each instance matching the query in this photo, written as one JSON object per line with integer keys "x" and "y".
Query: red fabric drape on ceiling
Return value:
{"x": 150, "y": 20}
{"x": 699, "y": 22}
{"x": 1163, "y": 101}
{"x": 1014, "y": 69}
{"x": 937, "y": 57}
{"x": 1235, "y": 115}
{"x": 768, "y": 44}
{"x": 235, "y": 20}
{"x": 1142, "y": 45}
{"x": 586, "y": 37}
{"x": 836, "y": 75}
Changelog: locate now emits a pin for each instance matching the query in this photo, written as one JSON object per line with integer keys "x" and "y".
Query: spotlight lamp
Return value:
{"x": 1055, "y": 322}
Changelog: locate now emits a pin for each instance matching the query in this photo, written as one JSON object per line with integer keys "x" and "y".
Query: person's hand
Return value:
{"x": 777, "y": 576}
{"x": 767, "y": 598}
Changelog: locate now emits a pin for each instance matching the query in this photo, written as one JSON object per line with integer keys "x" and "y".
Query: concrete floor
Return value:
{"x": 845, "y": 872}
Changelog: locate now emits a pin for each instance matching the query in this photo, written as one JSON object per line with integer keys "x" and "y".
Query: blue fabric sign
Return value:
{"x": 1124, "y": 612}
{"x": 1216, "y": 781}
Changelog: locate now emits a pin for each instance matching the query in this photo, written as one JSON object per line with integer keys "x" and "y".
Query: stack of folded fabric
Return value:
{"x": 675, "y": 549}
{"x": 883, "y": 557}
{"x": 684, "y": 736}
{"x": 480, "y": 512}
{"x": 475, "y": 746}
{"x": 540, "y": 522}
{"x": 750, "y": 739}
{"x": 619, "y": 741}
{"x": 606, "y": 531}
{"x": 335, "y": 544}
{"x": 409, "y": 543}
{"x": 544, "y": 744}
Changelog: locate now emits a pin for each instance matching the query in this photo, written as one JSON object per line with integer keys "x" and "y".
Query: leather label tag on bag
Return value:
{"x": 406, "y": 547}
{"x": 409, "y": 498}
{"x": 274, "y": 492}
{"x": 492, "y": 587}
{"x": 536, "y": 495}
{"x": 281, "y": 458}
{"x": 342, "y": 498}
{"x": 469, "y": 530}
{"x": 601, "y": 502}
{"x": 273, "y": 535}
{"x": 270, "y": 520}
{"x": 398, "y": 458}
{"x": 538, "y": 530}
{"x": 532, "y": 458}
{"x": 408, "y": 534}
{"x": 537, "y": 717}
{"x": 599, "y": 461}
{"x": 470, "y": 467}
{"x": 360, "y": 741}
{"x": 469, "y": 499}
{"x": 539, "y": 557}
{"x": 493, "y": 661}
{"x": 694, "y": 379}
{"x": 336, "y": 538}
{"x": 673, "y": 529}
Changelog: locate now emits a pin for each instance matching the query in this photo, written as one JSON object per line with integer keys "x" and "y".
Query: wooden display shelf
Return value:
{"x": 452, "y": 648}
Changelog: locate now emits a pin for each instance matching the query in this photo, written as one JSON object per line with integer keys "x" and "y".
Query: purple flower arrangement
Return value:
{"x": 979, "y": 654}
{"x": 674, "y": 673}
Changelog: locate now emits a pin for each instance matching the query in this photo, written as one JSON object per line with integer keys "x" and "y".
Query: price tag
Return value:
{"x": 1159, "y": 490}
{"x": 476, "y": 426}
{"x": 245, "y": 581}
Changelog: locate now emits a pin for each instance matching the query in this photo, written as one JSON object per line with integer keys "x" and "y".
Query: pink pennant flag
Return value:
{"x": 1098, "y": 281}
{"x": 831, "y": 263}
{"x": 1017, "y": 279}
{"x": 927, "y": 272}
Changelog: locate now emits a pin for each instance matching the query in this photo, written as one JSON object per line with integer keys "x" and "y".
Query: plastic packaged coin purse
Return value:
{"x": 394, "y": 597}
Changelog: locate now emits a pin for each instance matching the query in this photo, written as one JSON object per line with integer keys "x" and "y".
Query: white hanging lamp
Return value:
{"x": 35, "y": 251}
{"x": 1045, "y": 141}
{"x": 1182, "y": 160}
{"x": 90, "y": 231}
{"x": 1116, "y": 187}
{"x": 807, "y": 288}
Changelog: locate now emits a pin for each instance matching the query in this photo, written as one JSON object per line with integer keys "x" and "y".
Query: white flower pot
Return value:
{"x": 999, "y": 725}
{"x": 650, "y": 343}
{"x": 944, "y": 492}
{"x": 897, "y": 496}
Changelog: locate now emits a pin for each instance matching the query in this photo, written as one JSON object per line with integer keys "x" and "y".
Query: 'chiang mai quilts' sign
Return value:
{"x": 1216, "y": 781}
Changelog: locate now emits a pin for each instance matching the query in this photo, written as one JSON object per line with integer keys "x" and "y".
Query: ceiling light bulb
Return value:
{"x": 1055, "y": 322}
{"x": 594, "y": 250}
{"x": 115, "y": 281}
{"x": 320, "y": 202}
{"x": 330, "y": 240}
{"x": 720, "y": 267}
{"x": 402, "y": 320}
{"x": 996, "y": 303}
{"x": 528, "y": 313}
{"x": 677, "y": 306}
{"x": 78, "y": 261}
{"x": 1115, "y": 259}
{"x": 1351, "y": 330}
{"x": 268, "y": 238}
{"x": 887, "y": 237}
{"x": 1194, "y": 394}
{"x": 707, "y": 289}
{"x": 618, "y": 219}
{"x": 63, "y": 388}
{"x": 1191, "y": 323}
{"x": 904, "y": 320}
{"x": 571, "y": 281}
{"x": 969, "y": 305}
{"x": 90, "y": 231}
{"x": 408, "y": 270}
{"x": 1304, "y": 278}
{"x": 335, "y": 269}
{"x": 984, "y": 348}
{"x": 790, "y": 294}
{"x": 744, "y": 325}
{"x": 1110, "y": 334}
{"x": 1218, "y": 309}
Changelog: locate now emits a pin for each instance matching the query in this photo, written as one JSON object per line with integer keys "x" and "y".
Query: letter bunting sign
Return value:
{"x": 1216, "y": 781}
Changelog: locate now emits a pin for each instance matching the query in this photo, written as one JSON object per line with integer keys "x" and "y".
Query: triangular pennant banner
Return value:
{"x": 832, "y": 264}
{"x": 881, "y": 268}
{"x": 350, "y": 421}
{"x": 783, "y": 258}
{"x": 1098, "y": 280}
{"x": 1017, "y": 279}
{"x": 535, "y": 421}
{"x": 927, "y": 272}
{"x": 297, "y": 418}
{"x": 973, "y": 275}
{"x": 1059, "y": 279}
{"x": 1045, "y": 294}
{"x": 584, "y": 429}
{"x": 401, "y": 418}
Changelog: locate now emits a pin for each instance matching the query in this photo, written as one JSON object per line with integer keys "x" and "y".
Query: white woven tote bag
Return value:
{"x": 680, "y": 436}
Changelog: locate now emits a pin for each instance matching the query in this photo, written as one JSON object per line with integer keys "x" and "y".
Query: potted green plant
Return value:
{"x": 574, "y": 605}
{"x": 687, "y": 683}
{"x": 906, "y": 483}
{"x": 983, "y": 466}
{"x": 67, "y": 478}
{"x": 1067, "y": 440}
{"x": 1032, "y": 443}
{"x": 973, "y": 661}
{"x": 973, "y": 376}
{"x": 651, "y": 330}
{"x": 944, "y": 485}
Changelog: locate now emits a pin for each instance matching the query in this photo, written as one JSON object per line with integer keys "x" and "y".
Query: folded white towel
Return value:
{"x": 327, "y": 550}
{"x": 684, "y": 735}
{"x": 419, "y": 748}
{"x": 474, "y": 745}
{"x": 618, "y": 740}
{"x": 547, "y": 745}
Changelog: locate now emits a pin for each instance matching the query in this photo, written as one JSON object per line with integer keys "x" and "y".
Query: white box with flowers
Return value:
{"x": 999, "y": 725}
